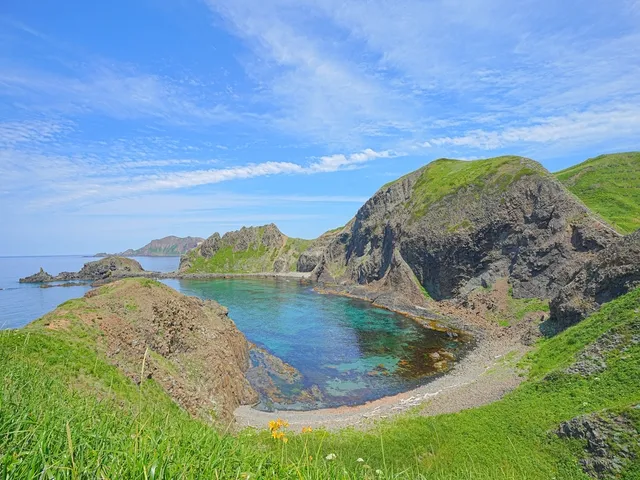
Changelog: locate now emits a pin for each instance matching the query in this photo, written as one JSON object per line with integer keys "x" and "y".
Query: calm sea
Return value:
{"x": 23, "y": 303}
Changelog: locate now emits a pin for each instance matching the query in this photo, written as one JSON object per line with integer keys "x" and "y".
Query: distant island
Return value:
{"x": 170, "y": 246}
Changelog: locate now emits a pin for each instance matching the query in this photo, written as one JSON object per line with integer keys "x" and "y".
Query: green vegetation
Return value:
{"x": 610, "y": 186}
{"x": 65, "y": 412}
{"x": 226, "y": 260}
{"x": 255, "y": 258}
{"x": 445, "y": 177}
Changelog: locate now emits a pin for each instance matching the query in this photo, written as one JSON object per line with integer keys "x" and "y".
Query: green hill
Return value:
{"x": 610, "y": 186}
{"x": 248, "y": 250}
{"x": 67, "y": 412}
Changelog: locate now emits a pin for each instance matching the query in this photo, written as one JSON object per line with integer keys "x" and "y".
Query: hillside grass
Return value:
{"x": 445, "y": 177}
{"x": 256, "y": 259}
{"x": 610, "y": 186}
{"x": 65, "y": 412}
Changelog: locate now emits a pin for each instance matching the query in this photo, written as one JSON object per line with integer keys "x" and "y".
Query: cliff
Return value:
{"x": 611, "y": 273}
{"x": 190, "y": 347}
{"x": 248, "y": 250}
{"x": 452, "y": 226}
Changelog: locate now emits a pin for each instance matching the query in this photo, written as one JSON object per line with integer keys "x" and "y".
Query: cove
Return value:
{"x": 331, "y": 351}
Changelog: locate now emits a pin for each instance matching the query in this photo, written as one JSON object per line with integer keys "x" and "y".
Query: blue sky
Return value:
{"x": 124, "y": 121}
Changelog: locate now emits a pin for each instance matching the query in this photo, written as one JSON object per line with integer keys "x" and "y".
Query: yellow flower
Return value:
{"x": 307, "y": 429}
{"x": 285, "y": 439}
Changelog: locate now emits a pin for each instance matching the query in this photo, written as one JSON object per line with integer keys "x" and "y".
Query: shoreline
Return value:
{"x": 484, "y": 375}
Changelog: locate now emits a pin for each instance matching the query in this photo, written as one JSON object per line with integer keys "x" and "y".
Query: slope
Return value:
{"x": 610, "y": 186}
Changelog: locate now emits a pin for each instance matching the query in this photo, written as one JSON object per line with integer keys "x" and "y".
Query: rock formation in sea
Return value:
{"x": 110, "y": 267}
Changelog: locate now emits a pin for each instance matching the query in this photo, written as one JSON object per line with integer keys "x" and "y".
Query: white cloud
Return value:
{"x": 572, "y": 130}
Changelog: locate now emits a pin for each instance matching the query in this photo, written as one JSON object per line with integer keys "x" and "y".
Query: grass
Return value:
{"x": 65, "y": 412}
{"x": 255, "y": 259}
{"x": 610, "y": 186}
{"x": 445, "y": 177}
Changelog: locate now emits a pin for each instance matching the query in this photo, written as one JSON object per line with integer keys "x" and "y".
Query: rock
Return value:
{"x": 508, "y": 218}
{"x": 110, "y": 267}
{"x": 248, "y": 250}
{"x": 192, "y": 349}
{"x": 611, "y": 272}
{"x": 609, "y": 442}
{"x": 39, "y": 277}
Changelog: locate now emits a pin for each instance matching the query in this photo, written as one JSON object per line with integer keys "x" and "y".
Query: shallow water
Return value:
{"x": 346, "y": 351}
{"x": 337, "y": 350}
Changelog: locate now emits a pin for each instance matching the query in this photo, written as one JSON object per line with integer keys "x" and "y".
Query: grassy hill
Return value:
{"x": 66, "y": 412}
{"x": 610, "y": 186}
{"x": 248, "y": 250}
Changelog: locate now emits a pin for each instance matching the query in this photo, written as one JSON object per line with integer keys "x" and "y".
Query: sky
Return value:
{"x": 124, "y": 121}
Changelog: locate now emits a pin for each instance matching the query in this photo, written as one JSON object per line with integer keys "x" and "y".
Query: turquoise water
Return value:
{"x": 337, "y": 351}
{"x": 347, "y": 352}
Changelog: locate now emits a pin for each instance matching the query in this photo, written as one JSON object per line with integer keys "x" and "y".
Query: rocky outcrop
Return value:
{"x": 612, "y": 272}
{"x": 110, "y": 267}
{"x": 170, "y": 246}
{"x": 190, "y": 347}
{"x": 312, "y": 256}
{"x": 611, "y": 443}
{"x": 248, "y": 250}
{"x": 453, "y": 226}
{"x": 39, "y": 277}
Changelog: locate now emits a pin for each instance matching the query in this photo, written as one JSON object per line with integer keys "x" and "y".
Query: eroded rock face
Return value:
{"x": 517, "y": 222}
{"x": 189, "y": 346}
{"x": 611, "y": 273}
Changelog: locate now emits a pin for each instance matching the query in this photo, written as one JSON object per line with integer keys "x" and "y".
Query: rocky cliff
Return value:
{"x": 98, "y": 270}
{"x": 452, "y": 226}
{"x": 611, "y": 273}
{"x": 170, "y": 246}
{"x": 190, "y": 347}
{"x": 248, "y": 250}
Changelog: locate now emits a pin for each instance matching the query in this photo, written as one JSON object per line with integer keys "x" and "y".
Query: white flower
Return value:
{"x": 360, "y": 460}
{"x": 331, "y": 456}
{"x": 379, "y": 472}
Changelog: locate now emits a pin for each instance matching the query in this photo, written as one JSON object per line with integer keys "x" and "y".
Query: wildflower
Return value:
{"x": 307, "y": 429}
{"x": 331, "y": 456}
{"x": 379, "y": 472}
{"x": 360, "y": 460}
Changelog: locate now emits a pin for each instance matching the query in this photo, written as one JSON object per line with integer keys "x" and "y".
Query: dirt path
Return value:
{"x": 483, "y": 376}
